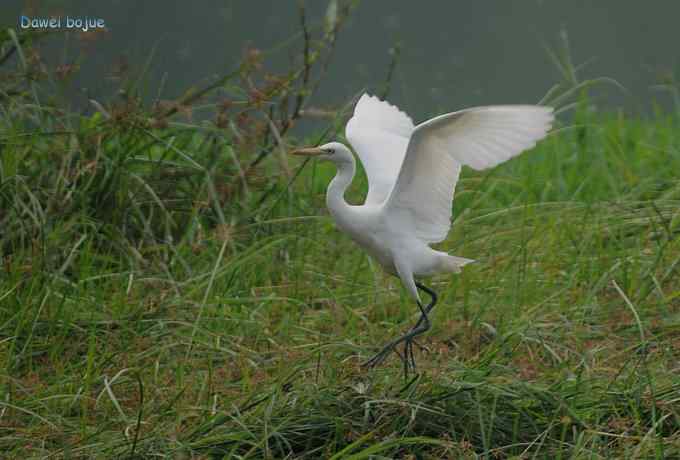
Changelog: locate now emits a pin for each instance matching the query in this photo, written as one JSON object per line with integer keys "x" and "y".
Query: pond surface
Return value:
{"x": 453, "y": 54}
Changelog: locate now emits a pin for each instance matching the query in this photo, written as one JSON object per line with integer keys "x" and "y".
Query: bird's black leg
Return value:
{"x": 408, "y": 344}
{"x": 430, "y": 306}
{"x": 420, "y": 327}
{"x": 407, "y": 338}
{"x": 409, "y": 359}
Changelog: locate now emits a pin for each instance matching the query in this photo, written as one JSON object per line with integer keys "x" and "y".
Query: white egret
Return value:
{"x": 412, "y": 173}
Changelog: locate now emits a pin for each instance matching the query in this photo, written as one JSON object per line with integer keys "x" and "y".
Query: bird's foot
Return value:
{"x": 407, "y": 358}
{"x": 379, "y": 357}
{"x": 420, "y": 346}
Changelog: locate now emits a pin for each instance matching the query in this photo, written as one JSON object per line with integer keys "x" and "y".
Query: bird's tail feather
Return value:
{"x": 454, "y": 263}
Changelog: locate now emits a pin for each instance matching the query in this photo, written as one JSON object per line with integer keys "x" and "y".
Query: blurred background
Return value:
{"x": 172, "y": 286}
{"x": 448, "y": 54}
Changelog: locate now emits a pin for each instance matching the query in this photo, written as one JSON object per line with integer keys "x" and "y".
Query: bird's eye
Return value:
{"x": 331, "y": 151}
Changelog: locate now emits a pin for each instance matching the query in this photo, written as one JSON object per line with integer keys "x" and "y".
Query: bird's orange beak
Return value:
{"x": 308, "y": 152}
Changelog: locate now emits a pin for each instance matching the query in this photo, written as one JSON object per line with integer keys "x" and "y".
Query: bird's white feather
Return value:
{"x": 379, "y": 133}
{"x": 480, "y": 137}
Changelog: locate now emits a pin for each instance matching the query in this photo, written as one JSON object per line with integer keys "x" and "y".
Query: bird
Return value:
{"x": 412, "y": 172}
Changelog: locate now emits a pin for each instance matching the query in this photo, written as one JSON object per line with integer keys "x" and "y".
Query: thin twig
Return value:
{"x": 191, "y": 96}
{"x": 282, "y": 146}
{"x": 306, "y": 70}
{"x": 297, "y": 112}
{"x": 387, "y": 84}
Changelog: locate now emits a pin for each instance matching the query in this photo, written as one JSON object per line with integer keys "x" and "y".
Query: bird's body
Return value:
{"x": 412, "y": 172}
{"x": 385, "y": 239}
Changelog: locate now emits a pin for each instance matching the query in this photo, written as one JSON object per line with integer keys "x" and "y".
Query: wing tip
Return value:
{"x": 363, "y": 98}
{"x": 371, "y": 104}
{"x": 367, "y": 98}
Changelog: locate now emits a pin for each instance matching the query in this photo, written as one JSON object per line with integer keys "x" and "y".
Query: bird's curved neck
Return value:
{"x": 335, "y": 196}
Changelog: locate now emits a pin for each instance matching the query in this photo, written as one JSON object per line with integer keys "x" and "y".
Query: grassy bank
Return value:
{"x": 123, "y": 334}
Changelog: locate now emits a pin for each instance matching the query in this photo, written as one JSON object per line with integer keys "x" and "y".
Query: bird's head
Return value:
{"x": 333, "y": 151}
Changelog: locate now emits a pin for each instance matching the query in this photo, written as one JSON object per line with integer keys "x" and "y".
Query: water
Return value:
{"x": 453, "y": 54}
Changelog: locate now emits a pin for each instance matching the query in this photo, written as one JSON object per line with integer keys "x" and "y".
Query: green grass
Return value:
{"x": 155, "y": 300}
{"x": 140, "y": 325}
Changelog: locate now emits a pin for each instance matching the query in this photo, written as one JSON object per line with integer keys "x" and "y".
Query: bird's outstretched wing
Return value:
{"x": 479, "y": 137}
{"x": 379, "y": 133}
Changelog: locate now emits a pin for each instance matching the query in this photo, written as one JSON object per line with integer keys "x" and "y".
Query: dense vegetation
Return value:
{"x": 174, "y": 287}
